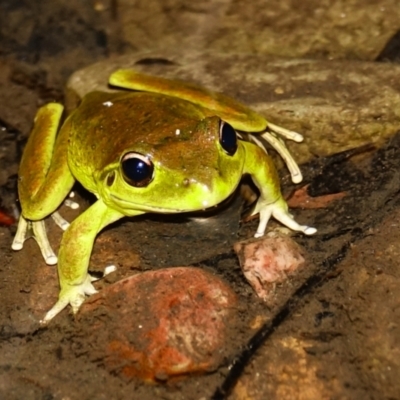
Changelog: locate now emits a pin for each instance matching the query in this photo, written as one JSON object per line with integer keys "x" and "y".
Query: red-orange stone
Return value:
{"x": 159, "y": 324}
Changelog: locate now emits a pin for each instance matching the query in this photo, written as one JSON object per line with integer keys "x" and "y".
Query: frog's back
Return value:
{"x": 105, "y": 125}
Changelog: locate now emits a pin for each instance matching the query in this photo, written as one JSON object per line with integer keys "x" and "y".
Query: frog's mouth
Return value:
{"x": 129, "y": 207}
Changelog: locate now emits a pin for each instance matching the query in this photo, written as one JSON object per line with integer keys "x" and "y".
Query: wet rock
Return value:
{"x": 159, "y": 324}
{"x": 341, "y": 29}
{"x": 269, "y": 261}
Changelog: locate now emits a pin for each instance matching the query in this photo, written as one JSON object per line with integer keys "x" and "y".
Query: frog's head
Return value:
{"x": 191, "y": 167}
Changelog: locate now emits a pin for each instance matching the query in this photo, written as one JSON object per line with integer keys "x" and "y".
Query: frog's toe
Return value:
{"x": 57, "y": 308}
{"x": 309, "y": 230}
{"x": 71, "y": 204}
{"x": 40, "y": 234}
{"x": 20, "y": 236}
{"x": 286, "y": 133}
{"x": 51, "y": 259}
{"x": 89, "y": 290}
{"x": 286, "y": 219}
{"x": 71, "y": 295}
{"x": 283, "y": 216}
{"x": 60, "y": 221}
{"x": 281, "y": 148}
{"x": 17, "y": 244}
{"x": 107, "y": 270}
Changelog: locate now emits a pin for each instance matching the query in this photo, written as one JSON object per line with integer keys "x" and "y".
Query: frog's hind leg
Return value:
{"x": 44, "y": 180}
{"x": 238, "y": 115}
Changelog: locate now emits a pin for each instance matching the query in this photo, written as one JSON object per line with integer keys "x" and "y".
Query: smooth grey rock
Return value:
{"x": 340, "y": 29}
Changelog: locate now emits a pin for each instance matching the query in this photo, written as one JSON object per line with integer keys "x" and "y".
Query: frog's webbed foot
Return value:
{"x": 37, "y": 230}
{"x": 270, "y": 135}
{"x": 278, "y": 210}
{"x": 75, "y": 295}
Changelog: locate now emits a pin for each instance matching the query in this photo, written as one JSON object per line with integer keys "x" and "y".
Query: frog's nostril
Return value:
{"x": 110, "y": 178}
{"x": 186, "y": 182}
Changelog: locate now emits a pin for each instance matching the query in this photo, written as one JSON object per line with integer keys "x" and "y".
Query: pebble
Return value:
{"x": 267, "y": 261}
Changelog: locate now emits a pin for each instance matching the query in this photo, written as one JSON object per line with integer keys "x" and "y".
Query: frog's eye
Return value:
{"x": 137, "y": 169}
{"x": 227, "y": 138}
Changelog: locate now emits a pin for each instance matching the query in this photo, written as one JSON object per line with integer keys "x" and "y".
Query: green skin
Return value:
{"x": 191, "y": 169}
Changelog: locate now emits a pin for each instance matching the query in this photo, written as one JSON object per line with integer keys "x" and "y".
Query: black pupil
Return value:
{"x": 137, "y": 172}
{"x": 228, "y": 139}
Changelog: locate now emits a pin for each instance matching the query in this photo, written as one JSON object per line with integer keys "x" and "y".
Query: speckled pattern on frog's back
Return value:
{"x": 107, "y": 125}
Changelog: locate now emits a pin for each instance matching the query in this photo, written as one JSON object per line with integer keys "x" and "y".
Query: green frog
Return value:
{"x": 162, "y": 146}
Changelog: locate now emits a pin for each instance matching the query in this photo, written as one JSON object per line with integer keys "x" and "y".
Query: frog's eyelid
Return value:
{"x": 133, "y": 154}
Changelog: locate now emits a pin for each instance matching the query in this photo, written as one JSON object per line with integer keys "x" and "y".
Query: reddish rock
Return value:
{"x": 267, "y": 261}
{"x": 159, "y": 324}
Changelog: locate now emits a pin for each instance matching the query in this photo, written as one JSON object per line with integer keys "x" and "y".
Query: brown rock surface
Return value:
{"x": 353, "y": 317}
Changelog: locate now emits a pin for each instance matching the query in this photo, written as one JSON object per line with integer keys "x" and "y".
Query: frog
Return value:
{"x": 154, "y": 145}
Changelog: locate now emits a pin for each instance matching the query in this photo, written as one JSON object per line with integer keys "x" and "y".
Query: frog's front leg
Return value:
{"x": 73, "y": 257}
{"x": 270, "y": 203}
{"x": 44, "y": 178}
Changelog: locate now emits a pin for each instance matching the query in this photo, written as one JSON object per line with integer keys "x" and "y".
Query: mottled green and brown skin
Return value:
{"x": 177, "y": 126}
